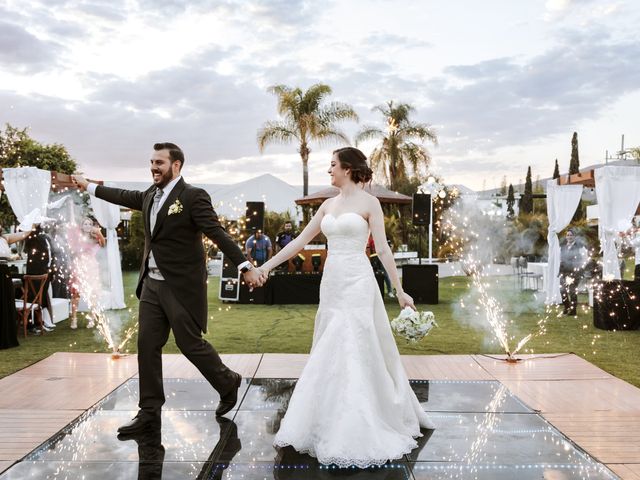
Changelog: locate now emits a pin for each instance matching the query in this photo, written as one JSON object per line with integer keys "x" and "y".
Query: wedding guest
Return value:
{"x": 572, "y": 262}
{"x": 7, "y": 239}
{"x": 258, "y": 248}
{"x": 38, "y": 248}
{"x": 84, "y": 276}
{"x": 8, "y": 313}
{"x": 285, "y": 236}
{"x": 633, "y": 237}
{"x": 59, "y": 263}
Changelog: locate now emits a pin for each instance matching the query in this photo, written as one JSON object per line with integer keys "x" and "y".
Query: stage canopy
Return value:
{"x": 381, "y": 193}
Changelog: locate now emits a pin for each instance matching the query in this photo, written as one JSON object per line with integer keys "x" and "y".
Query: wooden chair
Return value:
{"x": 32, "y": 287}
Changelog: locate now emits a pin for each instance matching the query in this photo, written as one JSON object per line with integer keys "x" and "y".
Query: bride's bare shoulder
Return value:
{"x": 371, "y": 200}
{"x": 326, "y": 205}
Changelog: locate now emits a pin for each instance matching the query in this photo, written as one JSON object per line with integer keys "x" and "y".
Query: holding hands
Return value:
{"x": 264, "y": 274}
{"x": 256, "y": 277}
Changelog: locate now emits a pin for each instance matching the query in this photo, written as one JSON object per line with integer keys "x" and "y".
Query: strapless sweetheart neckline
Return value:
{"x": 335, "y": 217}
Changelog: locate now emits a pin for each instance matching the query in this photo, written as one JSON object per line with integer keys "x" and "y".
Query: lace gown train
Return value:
{"x": 352, "y": 404}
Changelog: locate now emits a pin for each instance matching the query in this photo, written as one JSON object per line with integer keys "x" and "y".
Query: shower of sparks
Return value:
{"x": 76, "y": 265}
{"x": 469, "y": 245}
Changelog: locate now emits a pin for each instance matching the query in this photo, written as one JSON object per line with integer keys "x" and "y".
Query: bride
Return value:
{"x": 352, "y": 405}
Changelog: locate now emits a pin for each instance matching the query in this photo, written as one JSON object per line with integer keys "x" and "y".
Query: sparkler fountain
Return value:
{"x": 80, "y": 269}
{"x": 466, "y": 242}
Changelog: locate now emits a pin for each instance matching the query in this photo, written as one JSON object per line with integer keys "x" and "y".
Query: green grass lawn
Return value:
{"x": 289, "y": 329}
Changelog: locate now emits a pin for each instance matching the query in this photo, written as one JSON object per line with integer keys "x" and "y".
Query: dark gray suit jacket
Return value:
{"x": 176, "y": 240}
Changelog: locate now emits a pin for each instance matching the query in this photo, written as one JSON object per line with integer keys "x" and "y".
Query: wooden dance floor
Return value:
{"x": 583, "y": 405}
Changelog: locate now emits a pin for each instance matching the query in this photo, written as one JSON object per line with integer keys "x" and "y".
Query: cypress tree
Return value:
{"x": 511, "y": 200}
{"x": 556, "y": 171}
{"x": 526, "y": 202}
{"x": 574, "y": 165}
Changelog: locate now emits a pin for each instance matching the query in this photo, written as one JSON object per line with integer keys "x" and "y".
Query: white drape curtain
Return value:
{"x": 562, "y": 202}
{"x": 27, "y": 189}
{"x": 618, "y": 193}
{"x": 108, "y": 215}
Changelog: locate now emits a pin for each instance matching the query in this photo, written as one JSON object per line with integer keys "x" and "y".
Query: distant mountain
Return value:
{"x": 230, "y": 200}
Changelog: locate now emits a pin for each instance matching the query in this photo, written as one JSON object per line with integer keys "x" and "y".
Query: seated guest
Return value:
{"x": 258, "y": 248}
{"x": 7, "y": 239}
{"x": 38, "y": 246}
{"x": 8, "y": 313}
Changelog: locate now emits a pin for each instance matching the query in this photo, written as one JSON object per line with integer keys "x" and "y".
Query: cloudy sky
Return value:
{"x": 504, "y": 83}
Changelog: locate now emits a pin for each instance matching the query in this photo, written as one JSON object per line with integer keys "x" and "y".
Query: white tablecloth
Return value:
{"x": 540, "y": 268}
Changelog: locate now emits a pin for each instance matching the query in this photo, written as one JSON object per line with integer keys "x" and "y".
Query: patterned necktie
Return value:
{"x": 154, "y": 207}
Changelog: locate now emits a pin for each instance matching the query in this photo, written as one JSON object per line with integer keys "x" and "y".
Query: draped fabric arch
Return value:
{"x": 562, "y": 202}
{"x": 618, "y": 193}
{"x": 27, "y": 190}
{"x": 108, "y": 216}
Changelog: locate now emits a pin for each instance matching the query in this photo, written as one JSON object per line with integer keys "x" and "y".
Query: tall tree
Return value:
{"x": 574, "y": 165}
{"x": 397, "y": 156}
{"x": 503, "y": 185}
{"x": 18, "y": 149}
{"x": 556, "y": 171}
{"x": 304, "y": 117}
{"x": 511, "y": 200}
{"x": 537, "y": 188}
{"x": 526, "y": 201}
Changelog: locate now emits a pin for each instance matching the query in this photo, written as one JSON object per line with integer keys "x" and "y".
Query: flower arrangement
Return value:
{"x": 413, "y": 325}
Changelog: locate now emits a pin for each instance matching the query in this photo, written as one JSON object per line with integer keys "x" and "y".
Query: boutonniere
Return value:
{"x": 176, "y": 207}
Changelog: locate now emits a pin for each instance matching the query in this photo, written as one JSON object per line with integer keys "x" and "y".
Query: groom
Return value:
{"x": 172, "y": 286}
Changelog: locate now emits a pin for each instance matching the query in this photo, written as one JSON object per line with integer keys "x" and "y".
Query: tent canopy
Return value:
{"x": 381, "y": 193}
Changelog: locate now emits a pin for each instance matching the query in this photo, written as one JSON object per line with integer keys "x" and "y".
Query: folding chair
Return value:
{"x": 33, "y": 287}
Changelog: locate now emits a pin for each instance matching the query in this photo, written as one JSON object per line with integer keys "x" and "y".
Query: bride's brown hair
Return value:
{"x": 353, "y": 159}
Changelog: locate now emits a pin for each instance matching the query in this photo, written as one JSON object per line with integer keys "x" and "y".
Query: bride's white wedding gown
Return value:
{"x": 352, "y": 404}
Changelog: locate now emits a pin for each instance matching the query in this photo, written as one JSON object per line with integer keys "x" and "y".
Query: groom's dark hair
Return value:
{"x": 175, "y": 152}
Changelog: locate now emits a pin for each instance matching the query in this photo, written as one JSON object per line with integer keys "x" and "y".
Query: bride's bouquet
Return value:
{"x": 412, "y": 325}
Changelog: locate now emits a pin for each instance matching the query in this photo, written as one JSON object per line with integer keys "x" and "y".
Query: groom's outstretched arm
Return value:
{"x": 206, "y": 219}
{"x": 132, "y": 199}
{"x": 127, "y": 198}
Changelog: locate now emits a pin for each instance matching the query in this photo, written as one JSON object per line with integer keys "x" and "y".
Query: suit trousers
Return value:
{"x": 160, "y": 311}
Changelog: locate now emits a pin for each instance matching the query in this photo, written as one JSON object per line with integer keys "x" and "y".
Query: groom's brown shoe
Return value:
{"x": 229, "y": 400}
{"x": 142, "y": 422}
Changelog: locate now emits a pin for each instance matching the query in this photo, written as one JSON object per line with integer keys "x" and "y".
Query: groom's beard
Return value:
{"x": 164, "y": 179}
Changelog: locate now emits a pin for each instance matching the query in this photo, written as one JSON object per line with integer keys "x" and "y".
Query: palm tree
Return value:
{"x": 396, "y": 153}
{"x": 305, "y": 119}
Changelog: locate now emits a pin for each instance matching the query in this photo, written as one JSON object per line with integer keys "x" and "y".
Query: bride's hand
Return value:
{"x": 405, "y": 300}
{"x": 264, "y": 274}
